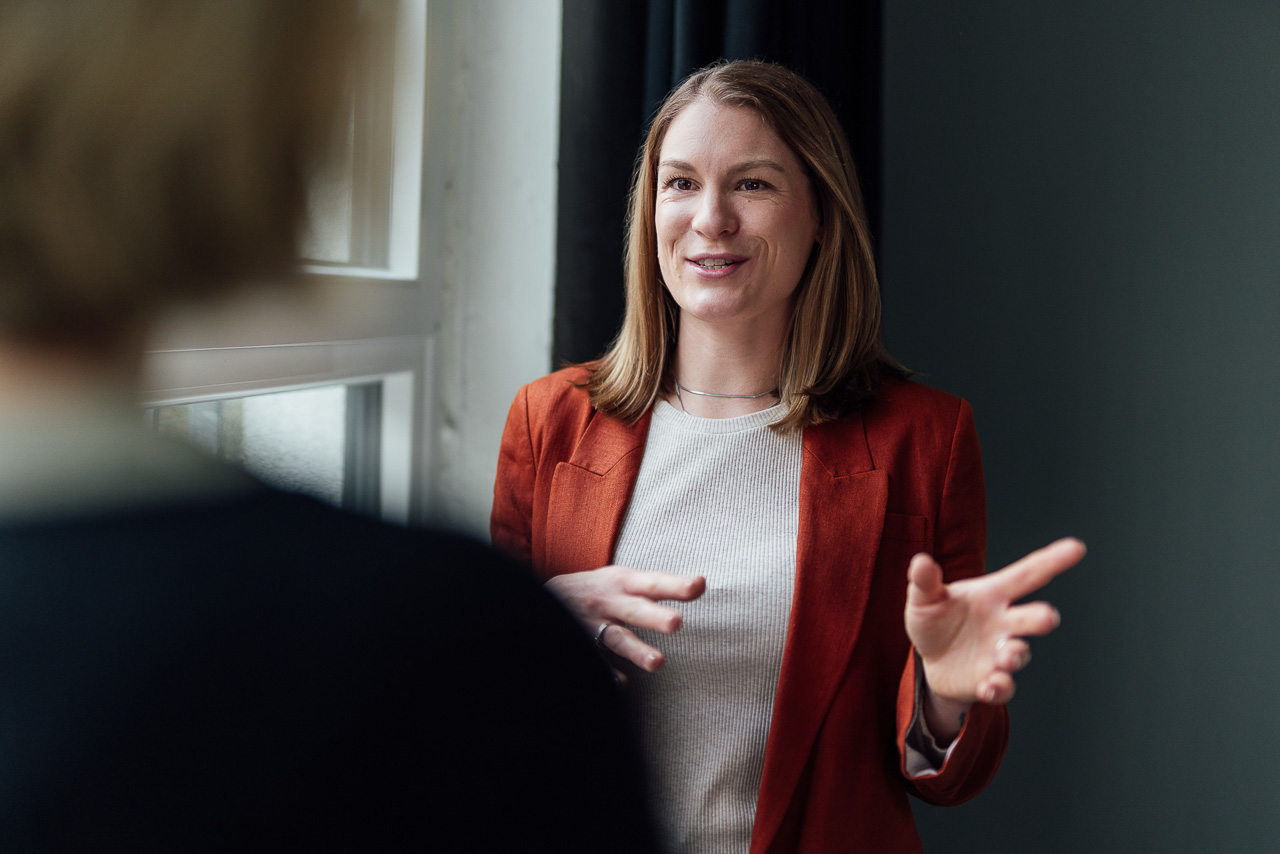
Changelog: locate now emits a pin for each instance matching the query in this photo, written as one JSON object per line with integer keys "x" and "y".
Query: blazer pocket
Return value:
{"x": 907, "y": 529}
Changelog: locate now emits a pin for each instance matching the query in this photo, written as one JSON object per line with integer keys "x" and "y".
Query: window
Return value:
{"x": 365, "y": 212}
{"x": 457, "y": 336}
{"x": 324, "y": 393}
{"x": 348, "y": 444}
{"x": 321, "y": 441}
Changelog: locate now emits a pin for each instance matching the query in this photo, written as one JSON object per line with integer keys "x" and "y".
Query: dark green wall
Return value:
{"x": 1082, "y": 236}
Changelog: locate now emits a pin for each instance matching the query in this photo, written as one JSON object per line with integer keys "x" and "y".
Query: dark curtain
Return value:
{"x": 621, "y": 58}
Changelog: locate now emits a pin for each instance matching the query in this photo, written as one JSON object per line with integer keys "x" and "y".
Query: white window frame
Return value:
{"x": 403, "y": 230}
{"x": 359, "y": 324}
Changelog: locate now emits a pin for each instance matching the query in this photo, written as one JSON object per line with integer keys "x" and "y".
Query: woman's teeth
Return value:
{"x": 715, "y": 263}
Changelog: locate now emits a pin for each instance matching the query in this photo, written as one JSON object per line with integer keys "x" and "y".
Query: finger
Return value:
{"x": 1012, "y": 655}
{"x": 584, "y": 594}
{"x": 664, "y": 585}
{"x": 996, "y": 688}
{"x": 1034, "y": 618}
{"x": 1038, "y": 568}
{"x": 924, "y": 581}
{"x": 623, "y": 643}
{"x": 636, "y": 611}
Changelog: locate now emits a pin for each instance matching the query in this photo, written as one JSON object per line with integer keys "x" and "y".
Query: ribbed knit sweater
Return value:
{"x": 717, "y": 497}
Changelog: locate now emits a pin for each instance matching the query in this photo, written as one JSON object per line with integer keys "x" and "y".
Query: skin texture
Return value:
{"x": 616, "y": 595}
{"x": 728, "y": 186}
{"x": 969, "y": 633}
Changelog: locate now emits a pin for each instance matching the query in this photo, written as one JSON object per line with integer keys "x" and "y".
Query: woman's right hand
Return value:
{"x": 617, "y": 597}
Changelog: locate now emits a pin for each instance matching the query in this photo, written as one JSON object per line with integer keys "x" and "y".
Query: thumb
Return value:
{"x": 924, "y": 581}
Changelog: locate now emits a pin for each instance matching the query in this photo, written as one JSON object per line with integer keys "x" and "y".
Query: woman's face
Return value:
{"x": 735, "y": 216}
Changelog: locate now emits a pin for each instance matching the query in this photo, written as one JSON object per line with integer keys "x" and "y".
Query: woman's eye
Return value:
{"x": 682, "y": 184}
{"x": 752, "y": 184}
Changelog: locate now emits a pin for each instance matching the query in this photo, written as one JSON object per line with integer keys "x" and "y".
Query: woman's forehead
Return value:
{"x": 710, "y": 133}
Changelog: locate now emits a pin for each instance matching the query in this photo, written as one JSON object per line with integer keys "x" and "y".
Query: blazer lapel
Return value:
{"x": 842, "y": 510}
{"x": 589, "y": 494}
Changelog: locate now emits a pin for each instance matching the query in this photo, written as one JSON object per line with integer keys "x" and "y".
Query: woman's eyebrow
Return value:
{"x": 753, "y": 165}
{"x": 745, "y": 166}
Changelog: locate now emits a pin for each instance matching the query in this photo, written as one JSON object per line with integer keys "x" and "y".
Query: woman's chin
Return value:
{"x": 715, "y": 310}
{"x": 732, "y": 301}
{"x": 726, "y": 314}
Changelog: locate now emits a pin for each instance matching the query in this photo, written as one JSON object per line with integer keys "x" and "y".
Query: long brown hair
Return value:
{"x": 834, "y": 356}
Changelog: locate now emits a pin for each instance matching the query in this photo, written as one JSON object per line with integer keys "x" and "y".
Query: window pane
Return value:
{"x": 296, "y": 440}
{"x": 351, "y": 196}
{"x": 328, "y": 236}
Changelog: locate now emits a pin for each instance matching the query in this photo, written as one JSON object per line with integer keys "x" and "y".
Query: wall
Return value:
{"x": 490, "y": 203}
{"x": 1082, "y": 203}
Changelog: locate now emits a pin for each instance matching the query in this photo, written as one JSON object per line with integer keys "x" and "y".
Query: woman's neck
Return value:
{"x": 719, "y": 361}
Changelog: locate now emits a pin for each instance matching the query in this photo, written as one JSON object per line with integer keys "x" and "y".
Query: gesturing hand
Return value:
{"x": 969, "y": 633}
{"x": 604, "y": 599}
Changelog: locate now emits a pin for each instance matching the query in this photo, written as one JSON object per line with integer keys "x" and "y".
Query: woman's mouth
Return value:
{"x": 721, "y": 264}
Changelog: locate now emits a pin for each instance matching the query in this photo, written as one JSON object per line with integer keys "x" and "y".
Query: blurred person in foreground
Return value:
{"x": 191, "y": 660}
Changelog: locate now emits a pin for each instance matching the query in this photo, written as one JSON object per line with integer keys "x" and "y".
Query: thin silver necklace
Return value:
{"x": 680, "y": 388}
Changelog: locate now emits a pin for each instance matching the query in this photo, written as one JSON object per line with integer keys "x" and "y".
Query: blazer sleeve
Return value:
{"x": 959, "y": 545}
{"x": 511, "y": 520}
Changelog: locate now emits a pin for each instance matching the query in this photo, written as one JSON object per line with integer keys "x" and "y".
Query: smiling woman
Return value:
{"x": 736, "y": 223}
{"x": 833, "y": 357}
{"x": 748, "y": 448}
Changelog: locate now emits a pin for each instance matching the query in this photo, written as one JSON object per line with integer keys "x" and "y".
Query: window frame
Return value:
{"x": 349, "y": 324}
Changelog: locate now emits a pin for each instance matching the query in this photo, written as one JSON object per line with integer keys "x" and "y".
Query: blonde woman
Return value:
{"x": 747, "y": 435}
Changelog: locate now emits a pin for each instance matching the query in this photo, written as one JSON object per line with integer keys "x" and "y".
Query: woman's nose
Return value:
{"x": 715, "y": 215}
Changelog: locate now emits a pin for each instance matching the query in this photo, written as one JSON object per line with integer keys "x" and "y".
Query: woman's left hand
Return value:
{"x": 969, "y": 634}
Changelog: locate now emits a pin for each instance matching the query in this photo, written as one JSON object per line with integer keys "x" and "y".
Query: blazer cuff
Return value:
{"x": 922, "y": 756}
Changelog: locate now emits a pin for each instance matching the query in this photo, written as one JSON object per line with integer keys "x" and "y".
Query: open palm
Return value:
{"x": 969, "y": 634}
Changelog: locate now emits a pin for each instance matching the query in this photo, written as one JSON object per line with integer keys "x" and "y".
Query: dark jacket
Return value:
{"x": 270, "y": 673}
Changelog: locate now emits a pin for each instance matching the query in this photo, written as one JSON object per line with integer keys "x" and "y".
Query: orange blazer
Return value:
{"x": 900, "y": 477}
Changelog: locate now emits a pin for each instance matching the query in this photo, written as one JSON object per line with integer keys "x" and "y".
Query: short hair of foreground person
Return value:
{"x": 155, "y": 151}
{"x": 194, "y": 661}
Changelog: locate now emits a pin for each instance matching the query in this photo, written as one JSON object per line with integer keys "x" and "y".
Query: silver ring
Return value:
{"x": 604, "y": 627}
{"x": 1001, "y": 643}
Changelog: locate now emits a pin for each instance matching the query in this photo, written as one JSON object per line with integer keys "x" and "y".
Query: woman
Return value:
{"x": 749, "y": 426}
